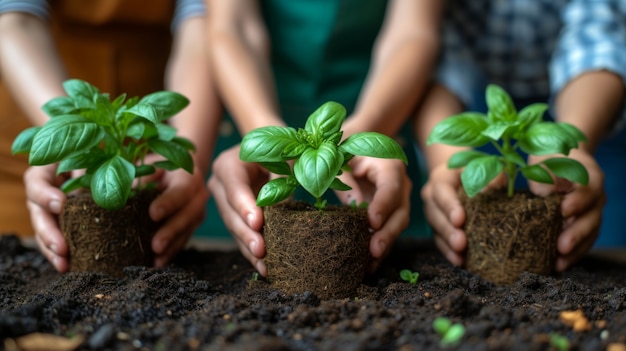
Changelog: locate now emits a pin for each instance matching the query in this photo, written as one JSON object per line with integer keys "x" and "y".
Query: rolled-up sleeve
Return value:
{"x": 37, "y": 8}
{"x": 593, "y": 38}
{"x": 186, "y": 9}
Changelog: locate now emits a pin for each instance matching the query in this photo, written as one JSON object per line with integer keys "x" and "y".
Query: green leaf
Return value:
{"x": 81, "y": 160}
{"x": 442, "y": 325}
{"x": 81, "y": 92}
{"x": 532, "y": 114}
{"x": 575, "y": 133}
{"x": 479, "y": 172}
{"x": 72, "y": 184}
{"x": 499, "y": 129}
{"x": 146, "y": 111}
{"x": 372, "y": 144}
{"x": 453, "y": 336}
{"x": 166, "y": 132}
{"x": 339, "y": 185}
{"x": 500, "y": 105}
{"x": 166, "y": 103}
{"x": 266, "y": 144}
{"x": 111, "y": 183}
{"x": 24, "y": 141}
{"x": 514, "y": 158}
{"x": 568, "y": 168}
{"x": 166, "y": 165}
{"x": 62, "y": 105}
{"x": 173, "y": 153}
{"x": 144, "y": 170}
{"x": 316, "y": 169}
{"x": 185, "y": 143}
{"x": 464, "y": 129}
{"x": 62, "y": 136}
{"x": 537, "y": 173}
{"x": 546, "y": 138}
{"x": 462, "y": 158}
{"x": 326, "y": 120}
{"x": 277, "y": 167}
{"x": 275, "y": 191}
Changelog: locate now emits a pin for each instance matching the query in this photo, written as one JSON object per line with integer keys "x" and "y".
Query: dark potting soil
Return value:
{"x": 208, "y": 300}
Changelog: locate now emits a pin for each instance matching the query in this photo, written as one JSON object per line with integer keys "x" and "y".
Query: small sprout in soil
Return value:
{"x": 109, "y": 139}
{"x": 255, "y": 276}
{"x": 559, "y": 342}
{"x": 509, "y": 131}
{"x": 354, "y": 205}
{"x": 409, "y": 276}
{"x": 451, "y": 334}
{"x": 317, "y": 153}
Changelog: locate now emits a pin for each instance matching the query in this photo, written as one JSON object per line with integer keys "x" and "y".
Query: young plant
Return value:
{"x": 108, "y": 139}
{"x": 409, "y": 276}
{"x": 451, "y": 334}
{"x": 559, "y": 342}
{"x": 316, "y": 151}
{"x": 509, "y": 132}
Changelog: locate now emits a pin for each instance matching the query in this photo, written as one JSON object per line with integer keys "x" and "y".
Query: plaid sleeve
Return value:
{"x": 186, "y": 9}
{"x": 37, "y": 8}
{"x": 593, "y": 38}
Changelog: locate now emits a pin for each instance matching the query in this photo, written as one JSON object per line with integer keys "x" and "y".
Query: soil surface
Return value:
{"x": 209, "y": 300}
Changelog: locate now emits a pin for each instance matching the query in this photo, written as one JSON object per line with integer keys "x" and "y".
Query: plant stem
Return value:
{"x": 509, "y": 167}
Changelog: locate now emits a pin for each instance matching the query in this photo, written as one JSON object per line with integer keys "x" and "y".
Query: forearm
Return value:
{"x": 591, "y": 102}
{"x": 439, "y": 104}
{"x": 240, "y": 61}
{"x": 188, "y": 73}
{"x": 403, "y": 59}
{"x": 29, "y": 63}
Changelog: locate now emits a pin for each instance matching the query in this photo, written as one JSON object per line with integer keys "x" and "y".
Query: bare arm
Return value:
{"x": 188, "y": 73}
{"x": 403, "y": 59}
{"x": 240, "y": 58}
{"x": 27, "y": 55}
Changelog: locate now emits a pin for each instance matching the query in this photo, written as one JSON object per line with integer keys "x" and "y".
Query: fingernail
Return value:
{"x": 250, "y": 219}
{"x": 55, "y": 206}
{"x": 56, "y": 263}
{"x": 54, "y": 248}
{"x": 252, "y": 247}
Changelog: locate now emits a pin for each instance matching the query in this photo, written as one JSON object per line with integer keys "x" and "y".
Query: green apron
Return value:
{"x": 321, "y": 51}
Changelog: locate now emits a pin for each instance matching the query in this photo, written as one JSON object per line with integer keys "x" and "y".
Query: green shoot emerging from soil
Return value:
{"x": 317, "y": 152}
{"x": 409, "y": 276}
{"x": 509, "y": 131}
{"x": 108, "y": 139}
{"x": 451, "y": 334}
{"x": 559, "y": 342}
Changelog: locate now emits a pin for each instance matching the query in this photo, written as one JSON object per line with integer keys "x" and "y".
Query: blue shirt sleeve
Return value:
{"x": 593, "y": 38}
{"x": 186, "y": 9}
{"x": 37, "y": 8}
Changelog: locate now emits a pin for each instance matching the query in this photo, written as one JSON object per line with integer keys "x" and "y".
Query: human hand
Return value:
{"x": 181, "y": 207}
{"x": 386, "y": 187}
{"x": 233, "y": 185}
{"x": 45, "y": 202}
{"x": 581, "y": 209}
{"x": 445, "y": 213}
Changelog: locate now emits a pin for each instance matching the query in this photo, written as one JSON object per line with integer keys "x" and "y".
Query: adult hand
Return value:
{"x": 233, "y": 185}
{"x": 581, "y": 209}
{"x": 45, "y": 202}
{"x": 182, "y": 208}
{"x": 386, "y": 187}
{"x": 444, "y": 212}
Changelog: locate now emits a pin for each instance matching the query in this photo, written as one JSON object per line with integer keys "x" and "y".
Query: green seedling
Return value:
{"x": 317, "y": 154}
{"x": 509, "y": 131}
{"x": 559, "y": 342}
{"x": 108, "y": 139}
{"x": 409, "y": 276}
{"x": 451, "y": 334}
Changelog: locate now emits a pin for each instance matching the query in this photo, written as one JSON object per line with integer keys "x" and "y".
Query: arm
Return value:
{"x": 588, "y": 76}
{"x": 240, "y": 58}
{"x": 182, "y": 203}
{"x": 403, "y": 59}
{"x": 27, "y": 55}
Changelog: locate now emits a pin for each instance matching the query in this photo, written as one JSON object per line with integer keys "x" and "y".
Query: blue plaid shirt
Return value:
{"x": 532, "y": 48}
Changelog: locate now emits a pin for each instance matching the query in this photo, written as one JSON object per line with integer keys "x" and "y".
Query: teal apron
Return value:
{"x": 321, "y": 51}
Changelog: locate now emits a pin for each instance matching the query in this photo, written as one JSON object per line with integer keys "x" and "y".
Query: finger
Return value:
{"x": 451, "y": 255}
{"x": 49, "y": 238}
{"x": 42, "y": 188}
{"x": 580, "y": 250}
